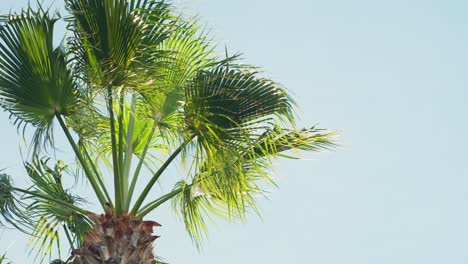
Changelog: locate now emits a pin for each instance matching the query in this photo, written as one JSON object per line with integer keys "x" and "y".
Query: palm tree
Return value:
{"x": 133, "y": 88}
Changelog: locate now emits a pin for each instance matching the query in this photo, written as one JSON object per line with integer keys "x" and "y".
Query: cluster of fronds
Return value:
{"x": 133, "y": 88}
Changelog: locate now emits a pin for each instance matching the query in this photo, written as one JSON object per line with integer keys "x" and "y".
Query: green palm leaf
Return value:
{"x": 35, "y": 84}
{"x": 276, "y": 140}
{"x": 50, "y": 216}
{"x": 93, "y": 132}
{"x": 12, "y": 209}
{"x": 227, "y": 183}
{"x": 227, "y": 104}
{"x": 181, "y": 55}
{"x": 110, "y": 35}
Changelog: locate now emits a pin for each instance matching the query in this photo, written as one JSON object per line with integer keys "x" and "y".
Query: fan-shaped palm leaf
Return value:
{"x": 110, "y": 34}
{"x": 227, "y": 104}
{"x": 35, "y": 84}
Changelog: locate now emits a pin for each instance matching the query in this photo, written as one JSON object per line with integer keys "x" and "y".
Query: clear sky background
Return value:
{"x": 393, "y": 75}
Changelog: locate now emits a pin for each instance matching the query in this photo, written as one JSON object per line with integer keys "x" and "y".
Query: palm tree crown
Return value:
{"x": 134, "y": 87}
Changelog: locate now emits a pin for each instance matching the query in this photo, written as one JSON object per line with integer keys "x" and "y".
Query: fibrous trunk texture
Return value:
{"x": 117, "y": 240}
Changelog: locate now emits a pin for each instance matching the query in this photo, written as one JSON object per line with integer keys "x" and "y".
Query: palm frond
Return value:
{"x": 51, "y": 216}
{"x": 229, "y": 108}
{"x": 109, "y": 35}
{"x": 228, "y": 104}
{"x": 186, "y": 50}
{"x": 12, "y": 209}
{"x": 227, "y": 192}
{"x": 35, "y": 83}
{"x": 228, "y": 182}
{"x": 181, "y": 55}
{"x": 276, "y": 140}
{"x": 194, "y": 207}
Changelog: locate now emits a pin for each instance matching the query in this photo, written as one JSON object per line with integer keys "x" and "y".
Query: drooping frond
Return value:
{"x": 225, "y": 190}
{"x": 52, "y": 217}
{"x": 12, "y": 209}
{"x": 228, "y": 183}
{"x": 35, "y": 83}
{"x": 194, "y": 207}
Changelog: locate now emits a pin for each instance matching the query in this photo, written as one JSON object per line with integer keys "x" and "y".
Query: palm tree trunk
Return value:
{"x": 117, "y": 240}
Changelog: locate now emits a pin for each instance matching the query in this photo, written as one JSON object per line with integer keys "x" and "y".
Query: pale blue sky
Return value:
{"x": 393, "y": 76}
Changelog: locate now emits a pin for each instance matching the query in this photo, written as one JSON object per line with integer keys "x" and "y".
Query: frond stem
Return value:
{"x": 84, "y": 164}
{"x": 115, "y": 159}
{"x": 128, "y": 151}
{"x": 120, "y": 117}
{"x": 51, "y": 199}
{"x": 101, "y": 183}
{"x": 155, "y": 177}
{"x": 156, "y": 203}
{"x": 67, "y": 234}
{"x": 138, "y": 168}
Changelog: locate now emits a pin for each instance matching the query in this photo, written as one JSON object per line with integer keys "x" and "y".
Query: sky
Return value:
{"x": 392, "y": 76}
